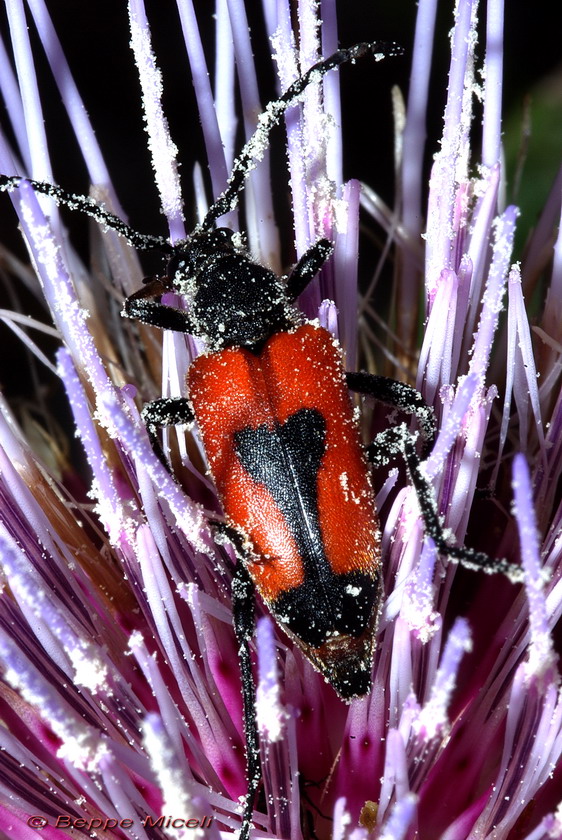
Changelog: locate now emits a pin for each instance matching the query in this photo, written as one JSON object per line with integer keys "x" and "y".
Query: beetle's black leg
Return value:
{"x": 399, "y": 395}
{"x": 224, "y": 532}
{"x": 243, "y": 609}
{"x": 388, "y": 445}
{"x": 151, "y": 312}
{"x": 308, "y": 267}
{"x": 158, "y": 315}
{"x": 167, "y": 411}
{"x": 144, "y": 306}
{"x": 399, "y": 441}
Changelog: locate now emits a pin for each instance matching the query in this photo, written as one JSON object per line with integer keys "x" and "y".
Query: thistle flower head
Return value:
{"x": 120, "y": 702}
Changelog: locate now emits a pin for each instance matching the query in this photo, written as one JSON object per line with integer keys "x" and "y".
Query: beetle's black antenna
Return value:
{"x": 248, "y": 158}
{"x": 84, "y": 204}
{"x": 254, "y": 149}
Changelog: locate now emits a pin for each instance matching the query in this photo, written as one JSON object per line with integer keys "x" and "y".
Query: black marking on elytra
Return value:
{"x": 286, "y": 460}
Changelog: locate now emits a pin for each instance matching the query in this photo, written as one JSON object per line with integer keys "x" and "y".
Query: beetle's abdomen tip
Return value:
{"x": 346, "y": 663}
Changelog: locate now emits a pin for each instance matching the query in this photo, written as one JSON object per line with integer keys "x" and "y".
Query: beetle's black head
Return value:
{"x": 231, "y": 299}
{"x": 201, "y": 250}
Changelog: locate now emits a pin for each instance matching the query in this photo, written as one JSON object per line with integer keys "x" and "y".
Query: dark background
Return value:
{"x": 95, "y": 38}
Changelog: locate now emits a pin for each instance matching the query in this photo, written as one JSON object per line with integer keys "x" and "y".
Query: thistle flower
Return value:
{"x": 120, "y": 693}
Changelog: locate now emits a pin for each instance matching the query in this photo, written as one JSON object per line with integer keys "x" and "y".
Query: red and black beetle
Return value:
{"x": 271, "y": 399}
{"x": 274, "y": 413}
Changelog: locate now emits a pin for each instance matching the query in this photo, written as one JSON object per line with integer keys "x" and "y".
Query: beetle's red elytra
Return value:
{"x": 286, "y": 457}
